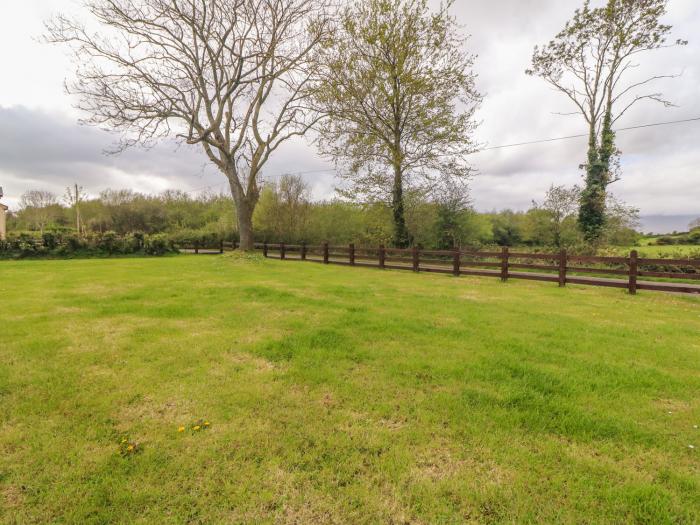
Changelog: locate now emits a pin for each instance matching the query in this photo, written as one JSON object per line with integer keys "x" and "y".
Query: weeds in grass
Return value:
{"x": 198, "y": 426}
{"x": 128, "y": 447}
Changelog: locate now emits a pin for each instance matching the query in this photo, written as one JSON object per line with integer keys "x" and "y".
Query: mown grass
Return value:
{"x": 339, "y": 395}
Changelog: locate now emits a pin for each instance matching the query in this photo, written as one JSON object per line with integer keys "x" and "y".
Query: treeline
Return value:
{"x": 287, "y": 213}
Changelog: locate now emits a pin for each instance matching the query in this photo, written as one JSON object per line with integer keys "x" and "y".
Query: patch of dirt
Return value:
{"x": 440, "y": 462}
{"x": 12, "y": 497}
{"x": 248, "y": 361}
{"x": 144, "y": 408}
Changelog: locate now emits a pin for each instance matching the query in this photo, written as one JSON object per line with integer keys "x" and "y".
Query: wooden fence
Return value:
{"x": 632, "y": 273}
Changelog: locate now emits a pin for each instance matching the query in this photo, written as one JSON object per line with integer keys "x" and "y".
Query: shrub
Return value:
{"x": 131, "y": 244}
{"x": 109, "y": 242}
{"x": 665, "y": 241}
{"x": 49, "y": 240}
{"x": 158, "y": 244}
{"x": 694, "y": 236}
{"x": 74, "y": 243}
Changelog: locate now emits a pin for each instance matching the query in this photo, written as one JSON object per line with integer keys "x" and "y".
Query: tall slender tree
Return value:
{"x": 231, "y": 76}
{"x": 400, "y": 98}
{"x": 592, "y": 61}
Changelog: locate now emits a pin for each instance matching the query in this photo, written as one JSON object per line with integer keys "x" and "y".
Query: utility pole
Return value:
{"x": 74, "y": 196}
{"x": 77, "y": 208}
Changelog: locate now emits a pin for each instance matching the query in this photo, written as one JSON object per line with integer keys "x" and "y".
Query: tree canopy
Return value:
{"x": 399, "y": 96}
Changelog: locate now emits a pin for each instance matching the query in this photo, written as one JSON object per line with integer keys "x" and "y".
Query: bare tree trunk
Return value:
{"x": 245, "y": 206}
{"x": 244, "y": 214}
{"x": 401, "y": 239}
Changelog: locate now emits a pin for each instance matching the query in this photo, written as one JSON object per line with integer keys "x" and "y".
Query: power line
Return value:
{"x": 542, "y": 141}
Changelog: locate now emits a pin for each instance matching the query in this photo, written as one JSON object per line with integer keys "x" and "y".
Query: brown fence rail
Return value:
{"x": 618, "y": 272}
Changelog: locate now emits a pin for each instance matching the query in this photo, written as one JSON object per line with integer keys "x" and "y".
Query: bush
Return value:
{"x": 73, "y": 243}
{"x": 49, "y": 240}
{"x": 694, "y": 236}
{"x": 665, "y": 241}
{"x": 201, "y": 237}
{"x": 109, "y": 242}
{"x": 158, "y": 244}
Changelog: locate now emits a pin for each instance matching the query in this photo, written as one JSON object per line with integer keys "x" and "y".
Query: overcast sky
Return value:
{"x": 42, "y": 146}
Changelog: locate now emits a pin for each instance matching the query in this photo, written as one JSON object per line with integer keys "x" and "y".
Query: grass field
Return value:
{"x": 339, "y": 395}
{"x": 652, "y": 251}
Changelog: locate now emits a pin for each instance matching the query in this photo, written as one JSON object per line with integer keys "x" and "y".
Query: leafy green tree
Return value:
{"x": 452, "y": 202}
{"x": 561, "y": 204}
{"x": 591, "y": 62}
{"x": 283, "y": 211}
{"x": 400, "y": 98}
{"x": 508, "y": 228}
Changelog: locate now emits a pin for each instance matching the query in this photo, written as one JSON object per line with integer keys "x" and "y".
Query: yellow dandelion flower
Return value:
{"x": 130, "y": 448}
{"x": 196, "y": 427}
{"x": 181, "y": 429}
{"x": 206, "y": 423}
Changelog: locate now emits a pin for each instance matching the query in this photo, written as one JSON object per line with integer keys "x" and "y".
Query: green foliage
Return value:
{"x": 283, "y": 210}
{"x": 109, "y": 242}
{"x": 71, "y": 245}
{"x": 507, "y": 228}
{"x": 400, "y": 96}
{"x": 592, "y": 214}
{"x": 665, "y": 241}
{"x": 49, "y": 240}
{"x": 158, "y": 244}
{"x": 694, "y": 236}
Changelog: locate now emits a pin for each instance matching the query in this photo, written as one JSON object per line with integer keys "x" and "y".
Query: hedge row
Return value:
{"x": 66, "y": 245}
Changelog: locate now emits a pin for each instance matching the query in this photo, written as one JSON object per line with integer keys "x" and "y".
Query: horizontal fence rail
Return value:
{"x": 561, "y": 268}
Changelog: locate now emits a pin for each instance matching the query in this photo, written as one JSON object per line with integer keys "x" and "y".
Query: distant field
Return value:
{"x": 660, "y": 251}
{"x": 340, "y": 395}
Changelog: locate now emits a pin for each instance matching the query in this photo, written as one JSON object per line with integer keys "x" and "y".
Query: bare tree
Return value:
{"x": 592, "y": 62}
{"x": 232, "y": 76}
{"x": 39, "y": 207}
{"x": 400, "y": 96}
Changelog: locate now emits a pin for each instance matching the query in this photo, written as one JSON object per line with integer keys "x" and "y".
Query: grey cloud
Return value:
{"x": 660, "y": 173}
{"x": 40, "y": 149}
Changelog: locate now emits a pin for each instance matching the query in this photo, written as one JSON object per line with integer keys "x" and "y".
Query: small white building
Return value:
{"x": 3, "y": 219}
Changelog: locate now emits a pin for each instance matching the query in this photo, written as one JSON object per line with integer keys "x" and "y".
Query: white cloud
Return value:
{"x": 42, "y": 146}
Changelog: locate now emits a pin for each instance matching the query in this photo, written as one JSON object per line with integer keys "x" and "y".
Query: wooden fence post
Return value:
{"x": 416, "y": 259}
{"x": 632, "y": 287}
{"x": 504, "y": 264}
{"x": 382, "y": 256}
{"x": 325, "y": 253}
{"x": 303, "y": 251}
{"x": 196, "y": 247}
{"x": 562, "y": 268}
{"x": 351, "y": 254}
{"x": 456, "y": 263}
{"x": 283, "y": 252}
{"x": 221, "y": 246}
{"x": 265, "y": 249}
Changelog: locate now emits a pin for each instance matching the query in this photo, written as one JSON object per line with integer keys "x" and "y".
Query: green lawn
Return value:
{"x": 340, "y": 395}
